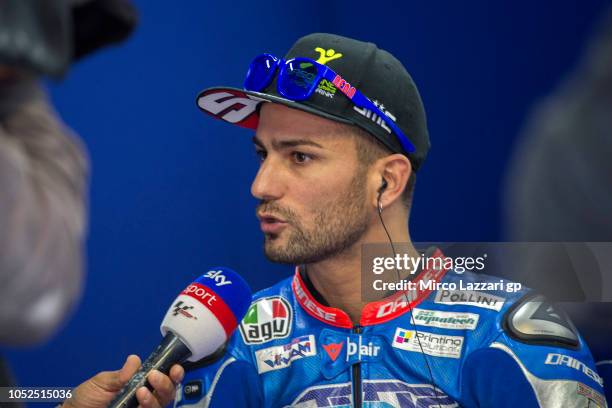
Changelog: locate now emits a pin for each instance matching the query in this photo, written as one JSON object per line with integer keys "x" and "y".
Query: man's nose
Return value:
{"x": 267, "y": 184}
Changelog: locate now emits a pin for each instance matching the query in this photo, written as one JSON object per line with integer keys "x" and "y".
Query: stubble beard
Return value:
{"x": 339, "y": 224}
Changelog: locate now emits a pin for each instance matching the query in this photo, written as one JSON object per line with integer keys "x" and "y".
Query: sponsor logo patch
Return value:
{"x": 346, "y": 349}
{"x": 563, "y": 360}
{"x": 344, "y": 86}
{"x": 326, "y": 89}
{"x": 376, "y": 393}
{"x": 267, "y": 319}
{"x": 437, "y": 345}
{"x": 470, "y": 298}
{"x": 228, "y": 106}
{"x": 357, "y": 349}
{"x": 374, "y": 117}
{"x": 361, "y": 350}
{"x": 333, "y": 350}
{"x": 277, "y": 357}
{"x": 445, "y": 320}
{"x": 193, "y": 389}
{"x": 591, "y": 395}
{"x": 326, "y": 314}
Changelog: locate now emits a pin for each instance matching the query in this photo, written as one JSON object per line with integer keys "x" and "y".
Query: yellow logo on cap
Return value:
{"x": 327, "y": 55}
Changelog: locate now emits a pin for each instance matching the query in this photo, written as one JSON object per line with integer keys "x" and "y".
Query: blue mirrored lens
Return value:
{"x": 260, "y": 73}
{"x": 298, "y": 80}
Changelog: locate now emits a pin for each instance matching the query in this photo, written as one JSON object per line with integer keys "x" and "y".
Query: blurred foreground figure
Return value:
{"x": 43, "y": 166}
{"x": 560, "y": 190}
{"x": 43, "y": 172}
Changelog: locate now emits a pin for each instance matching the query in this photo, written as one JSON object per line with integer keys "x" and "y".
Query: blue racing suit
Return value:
{"x": 465, "y": 342}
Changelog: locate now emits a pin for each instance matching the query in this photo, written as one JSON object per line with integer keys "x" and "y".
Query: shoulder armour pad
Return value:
{"x": 534, "y": 320}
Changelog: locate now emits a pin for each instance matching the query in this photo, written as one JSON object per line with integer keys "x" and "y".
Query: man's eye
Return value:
{"x": 261, "y": 154}
{"x": 300, "y": 157}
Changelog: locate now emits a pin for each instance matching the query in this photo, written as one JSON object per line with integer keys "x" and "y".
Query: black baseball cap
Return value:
{"x": 374, "y": 72}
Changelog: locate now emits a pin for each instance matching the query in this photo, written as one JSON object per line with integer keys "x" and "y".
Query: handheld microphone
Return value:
{"x": 200, "y": 320}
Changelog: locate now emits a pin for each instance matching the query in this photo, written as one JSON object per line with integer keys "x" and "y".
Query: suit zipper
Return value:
{"x": 357, "y": 403}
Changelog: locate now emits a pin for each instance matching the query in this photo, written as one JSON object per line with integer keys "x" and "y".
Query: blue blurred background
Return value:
{"x": 170, "y": 187}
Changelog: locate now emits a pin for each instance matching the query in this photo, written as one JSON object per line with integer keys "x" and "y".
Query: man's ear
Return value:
{"x": 392, "y": 172}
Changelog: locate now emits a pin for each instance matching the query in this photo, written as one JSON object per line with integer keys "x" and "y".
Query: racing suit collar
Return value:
{"x": 376, "y": 312}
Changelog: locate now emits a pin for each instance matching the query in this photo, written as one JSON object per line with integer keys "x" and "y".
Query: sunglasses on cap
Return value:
{"x": 298, "y": 79}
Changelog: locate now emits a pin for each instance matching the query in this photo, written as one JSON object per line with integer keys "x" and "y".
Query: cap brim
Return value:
{"x": 241, "y": 108}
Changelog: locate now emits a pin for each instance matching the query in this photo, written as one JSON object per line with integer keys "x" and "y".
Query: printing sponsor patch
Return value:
{"x": 437, "y": 345}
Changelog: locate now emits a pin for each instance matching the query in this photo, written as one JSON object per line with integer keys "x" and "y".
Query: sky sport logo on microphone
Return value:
{"x": 200, "y": 292}
{"x": 218, "y": 277}
{"x": 201, "y": 319}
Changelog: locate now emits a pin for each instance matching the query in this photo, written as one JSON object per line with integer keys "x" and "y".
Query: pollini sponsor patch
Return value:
{"x": 470, "y": 298}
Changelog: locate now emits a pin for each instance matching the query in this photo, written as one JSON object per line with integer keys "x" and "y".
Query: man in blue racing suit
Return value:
{"x": 341, "y": 132}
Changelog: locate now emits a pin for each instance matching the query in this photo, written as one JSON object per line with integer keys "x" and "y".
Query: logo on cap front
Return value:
{"x": 327, "y": 55}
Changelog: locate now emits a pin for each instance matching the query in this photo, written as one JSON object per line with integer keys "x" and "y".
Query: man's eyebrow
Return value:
{"x": 295, "y": 142}
{"x": 288, "y": 143}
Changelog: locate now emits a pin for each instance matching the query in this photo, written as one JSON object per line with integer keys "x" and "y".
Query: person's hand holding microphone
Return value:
{"x": 99, "y": 391}
{"x": 197, "y": 325}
